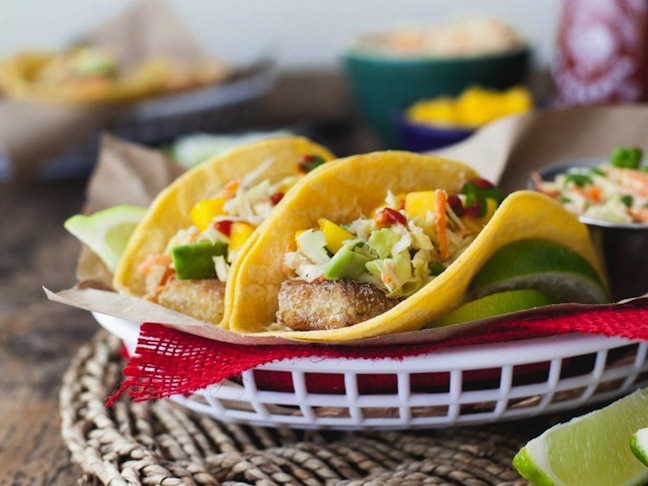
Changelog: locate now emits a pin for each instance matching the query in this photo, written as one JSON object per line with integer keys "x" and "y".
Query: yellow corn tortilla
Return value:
{"x": 170, "y": 211}
{"x": 345, "y": 189}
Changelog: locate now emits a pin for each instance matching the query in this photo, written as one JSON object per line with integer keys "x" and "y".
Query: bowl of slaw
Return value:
{"x": 609, "y": 195}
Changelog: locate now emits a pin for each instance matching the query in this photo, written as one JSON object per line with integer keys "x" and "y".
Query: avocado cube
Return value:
{"x": 196, "y": 260}
{"x": 346, "y": 264}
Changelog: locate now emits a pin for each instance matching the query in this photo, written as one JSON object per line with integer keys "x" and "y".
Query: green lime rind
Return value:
{"x": 493, "y": 305}
{"x": 591, "y": 449}
{"x": 529, "y": 471}
{"x": 106, "y": 232}
{"x": 557, "y": 271}
{"x": 639, "y": 445}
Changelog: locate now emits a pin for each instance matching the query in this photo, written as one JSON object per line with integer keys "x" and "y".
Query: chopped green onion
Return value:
{"x": 435, "y": 268}
{"x": 627, "y": 200}
{"x": 579, "y": 179}
{"x": 597, "y": 171}
{"x": 626, "y": 158}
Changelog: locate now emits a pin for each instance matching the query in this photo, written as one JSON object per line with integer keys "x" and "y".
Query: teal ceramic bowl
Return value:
{"x": 383, "y": 85}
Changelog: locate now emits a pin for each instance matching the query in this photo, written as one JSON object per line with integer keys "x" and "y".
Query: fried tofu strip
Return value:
{"x": 202, "y": 299}
{"x": 309, "y": 306}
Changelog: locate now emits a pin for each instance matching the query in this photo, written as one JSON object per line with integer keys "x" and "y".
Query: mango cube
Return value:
{"x": 239, "y": 234}
{"x": 419, "y": 203}
{"x": 335, "y": 235}
{"x": 204, "y": 211}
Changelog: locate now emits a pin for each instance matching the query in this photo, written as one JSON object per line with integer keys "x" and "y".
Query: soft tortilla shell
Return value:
{"x": 350, "y": 187}
{"x": 169, "y": 212}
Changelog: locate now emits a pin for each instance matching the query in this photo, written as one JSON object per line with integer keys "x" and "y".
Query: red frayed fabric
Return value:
{"x": 169, "y": 362}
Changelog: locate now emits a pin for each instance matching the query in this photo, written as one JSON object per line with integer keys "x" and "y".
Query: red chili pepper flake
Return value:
{"x": 389, "y": 217}
{"x": 224, "y": 227}
{"x": 456, "y": 205}
{"x": 276, "y": 198}
{"x": 480, "y": 183}
{"x": 474, "y": 209}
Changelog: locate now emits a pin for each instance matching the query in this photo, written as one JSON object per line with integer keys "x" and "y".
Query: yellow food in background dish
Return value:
{"x": 476, "y": 106}
{"x": 87, "y": 74}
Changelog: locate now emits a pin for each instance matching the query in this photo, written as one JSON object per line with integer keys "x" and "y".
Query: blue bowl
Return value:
{"x": 416, "y": 137}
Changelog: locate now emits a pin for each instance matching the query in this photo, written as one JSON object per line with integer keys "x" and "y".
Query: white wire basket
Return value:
{"x": 463, "y": 385}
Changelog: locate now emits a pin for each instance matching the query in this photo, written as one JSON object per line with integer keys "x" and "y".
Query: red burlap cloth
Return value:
{"x": 169, "y": 362}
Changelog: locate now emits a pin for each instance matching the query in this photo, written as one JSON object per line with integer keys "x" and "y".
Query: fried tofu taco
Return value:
{"x": 182, "y": 253}
{"x": 393, "y": 241}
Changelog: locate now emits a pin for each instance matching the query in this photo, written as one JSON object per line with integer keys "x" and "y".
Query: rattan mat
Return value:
{"x": 162, "y": 443}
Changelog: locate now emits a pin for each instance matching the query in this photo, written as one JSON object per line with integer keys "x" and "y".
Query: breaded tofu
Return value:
{"x": 329, "y": 304}
{"x": 203, "y": 299}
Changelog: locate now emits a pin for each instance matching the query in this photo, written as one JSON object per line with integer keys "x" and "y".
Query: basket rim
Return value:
{"x": 475, "y": 356}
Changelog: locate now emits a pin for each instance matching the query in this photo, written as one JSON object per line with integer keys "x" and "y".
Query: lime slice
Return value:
{"x": 106, "y": 232}
{"x": 639, "y": 445}
{"x": 494, "y": 305}
{"x": 555, "y": 270}
{"x": 590, "y": 450}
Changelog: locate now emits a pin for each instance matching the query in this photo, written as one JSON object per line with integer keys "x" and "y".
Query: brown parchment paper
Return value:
{"x": 31, "y": 134}
{"x": 504, "y": 152}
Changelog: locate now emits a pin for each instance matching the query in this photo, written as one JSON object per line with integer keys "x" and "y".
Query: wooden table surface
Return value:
{"x": 37, "y": 338}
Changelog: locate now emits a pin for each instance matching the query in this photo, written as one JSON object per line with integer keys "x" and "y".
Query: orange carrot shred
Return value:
{"x": 441, "y": 199}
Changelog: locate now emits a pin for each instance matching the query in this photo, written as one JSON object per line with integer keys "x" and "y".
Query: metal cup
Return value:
{"x": 622, "y": 247}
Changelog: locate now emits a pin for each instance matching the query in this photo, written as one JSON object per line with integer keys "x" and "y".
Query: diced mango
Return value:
{"x": 473, "y": 224}
{"x": 239, "y": 234}
{"x": 335, "y": 235}
{"x": 419, "y": 203}
{"x": 204, "y": 211}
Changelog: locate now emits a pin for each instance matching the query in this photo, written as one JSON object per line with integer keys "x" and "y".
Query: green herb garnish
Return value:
{"x": 579, "y": 179}
{"x": 626, "y": 158}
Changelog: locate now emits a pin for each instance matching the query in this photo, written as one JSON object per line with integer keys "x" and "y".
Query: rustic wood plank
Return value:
{"x": 37, "y": 338}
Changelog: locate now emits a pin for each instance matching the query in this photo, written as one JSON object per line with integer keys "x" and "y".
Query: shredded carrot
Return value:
{"x": 162, "y": 259}
{"x": 386, "y": 279}
{"x": 230, "y": 188}
{"x": 441, "y": 199}
{"x": 639, "y": 215}
{"x": 594, "y": 193}
{"x": 541, "y": 187}
{"x": 634, "y": 180}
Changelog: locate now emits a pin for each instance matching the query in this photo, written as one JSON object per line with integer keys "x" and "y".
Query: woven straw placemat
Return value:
{"x": 162, "y": 443}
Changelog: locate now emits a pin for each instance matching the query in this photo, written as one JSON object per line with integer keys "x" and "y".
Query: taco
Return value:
{"x": 387, "y": 242}
{"x": 92, "y": 75}
{"x": 184, "y": 250}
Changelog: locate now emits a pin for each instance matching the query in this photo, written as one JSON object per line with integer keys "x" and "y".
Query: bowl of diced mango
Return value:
{"x": 431, "y": 124}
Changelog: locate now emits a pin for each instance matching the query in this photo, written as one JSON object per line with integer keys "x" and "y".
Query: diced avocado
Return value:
{"x": 382, "y": 240}
{"x": 346, "y": 264}
{"x": 196, "y": 260}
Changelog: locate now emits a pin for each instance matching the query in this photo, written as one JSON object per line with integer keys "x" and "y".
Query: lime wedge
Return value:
{"x": 639, "y": 445}
{"x": 557, "y": 271}
{"x": 106, "y": 232}
{"x": 589, "y": 450}
{"x": 494, "y": 305}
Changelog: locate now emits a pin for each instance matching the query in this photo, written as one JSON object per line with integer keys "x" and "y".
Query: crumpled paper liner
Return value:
{"x": 504, "y": 152}
{"x": 31, "y": 134}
